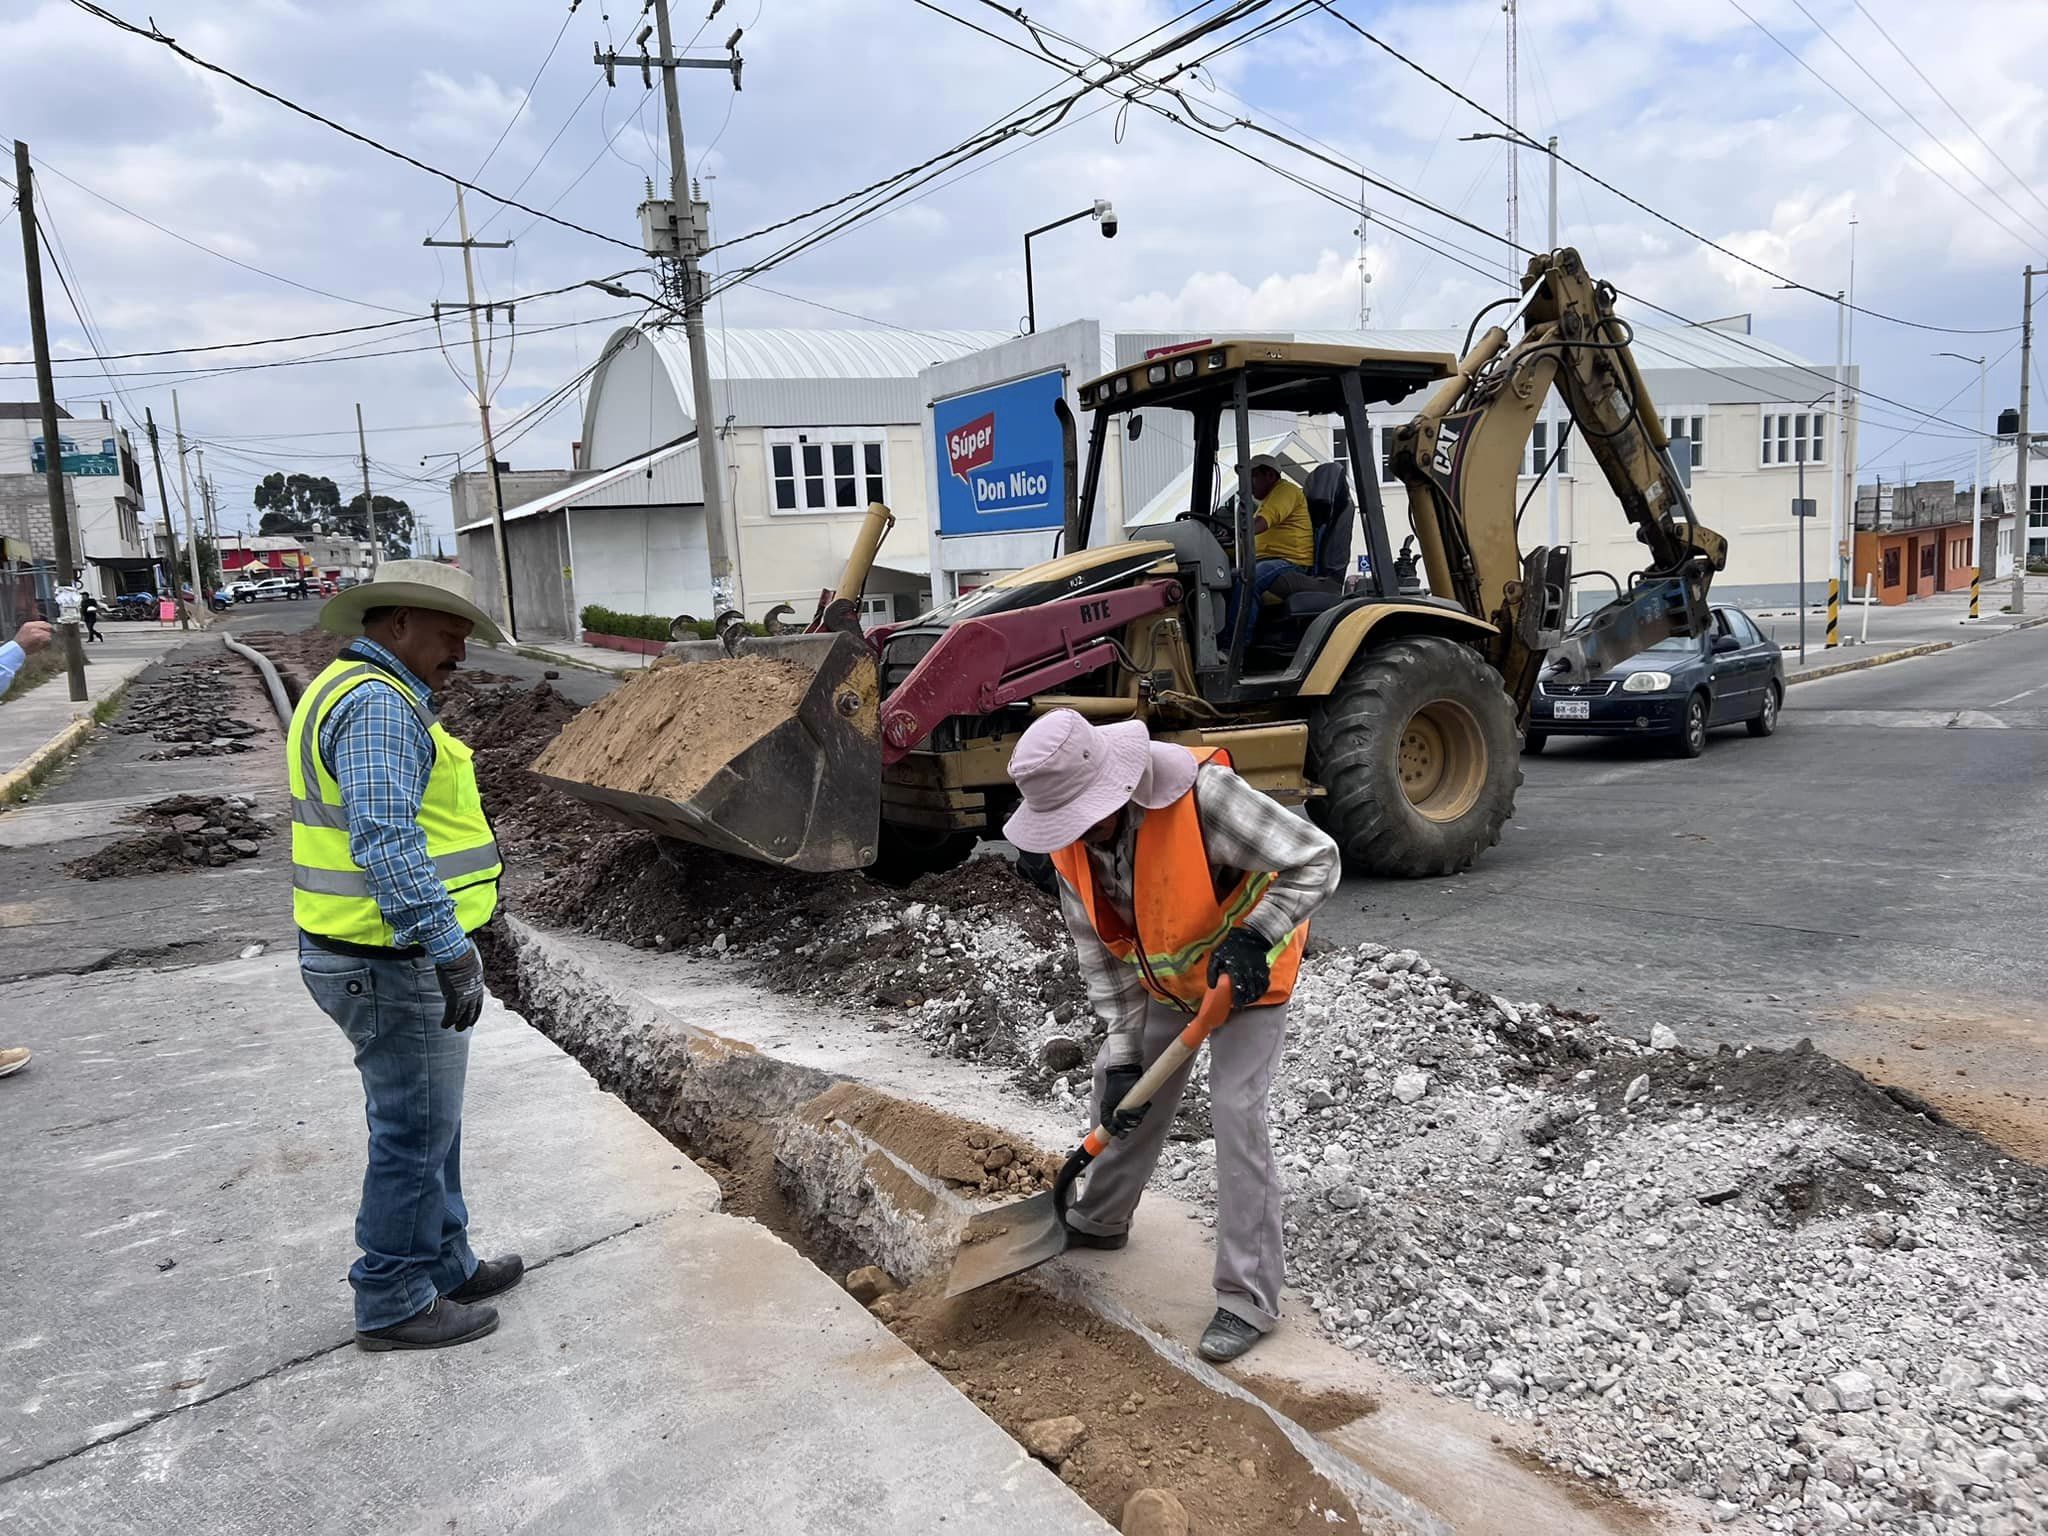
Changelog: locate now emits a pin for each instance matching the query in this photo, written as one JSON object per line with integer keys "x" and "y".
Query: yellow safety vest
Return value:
{"x": 330, "y": 891}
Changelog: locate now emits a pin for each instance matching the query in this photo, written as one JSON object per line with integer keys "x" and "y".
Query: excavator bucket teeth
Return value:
{"x": 770, "y": 764}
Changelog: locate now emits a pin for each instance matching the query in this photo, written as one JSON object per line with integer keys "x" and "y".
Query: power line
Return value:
{"x": 151, "y": 34}
{"x": 574, "y": 112}
{"x": 1914, "y": 119}
{"x": 525, "y": 101}
{"x": 2018, "y": 180}
{"x": 1637, "y": 203}
{"x": 197, "y": 245}
{"x": 1896, "y": 142}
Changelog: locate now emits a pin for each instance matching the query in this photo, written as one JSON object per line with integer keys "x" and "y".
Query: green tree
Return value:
{"x": 396, "y": 528}
{"x": 305, "y": 499}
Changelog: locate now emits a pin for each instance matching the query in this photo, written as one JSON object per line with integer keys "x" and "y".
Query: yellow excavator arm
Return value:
{"x": 1461, "y": 456}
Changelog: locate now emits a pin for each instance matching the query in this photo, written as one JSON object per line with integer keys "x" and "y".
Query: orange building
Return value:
{"x": 1912, "y": 541}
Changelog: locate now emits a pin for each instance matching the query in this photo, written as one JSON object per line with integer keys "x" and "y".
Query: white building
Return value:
{"x": 816, "y": 423}
{"x": 103, "y": 482}
{"x": 333, "y": 555}
{"x": 813, "y": 424}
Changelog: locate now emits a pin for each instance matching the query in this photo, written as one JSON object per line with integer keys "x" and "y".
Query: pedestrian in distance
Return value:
{"x": 394, "y": 866}
{"x": 14, "y": 655}
{"x": 1174, "y": 873}
{"x": 89, "y": 612}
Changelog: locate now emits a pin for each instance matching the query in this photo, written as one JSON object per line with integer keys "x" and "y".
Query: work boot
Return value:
{"x": 1076, "y": 1238}
{"x": 488, "y": 1278}
{"x": 1227, "y": 1337}
{"x": 13, "y": 1059}
{"x": 444, "y": 1322}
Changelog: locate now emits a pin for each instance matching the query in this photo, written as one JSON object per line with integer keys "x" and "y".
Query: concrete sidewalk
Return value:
{"x": 574, "y": 653}
{"x": 188, "y": 1145}
{"x": 32, "y": 723}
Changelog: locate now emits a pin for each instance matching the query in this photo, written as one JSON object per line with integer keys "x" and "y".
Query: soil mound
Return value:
{"x": 187, "y": 832}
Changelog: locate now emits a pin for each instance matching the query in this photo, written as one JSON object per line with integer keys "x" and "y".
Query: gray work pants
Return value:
{"x": 1250, "y": 1259}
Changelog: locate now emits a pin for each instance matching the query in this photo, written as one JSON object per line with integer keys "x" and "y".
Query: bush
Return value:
{"x": 599, "y": 620}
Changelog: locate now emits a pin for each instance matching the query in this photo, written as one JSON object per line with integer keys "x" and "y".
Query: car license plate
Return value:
{"x": 1571, "y": 709}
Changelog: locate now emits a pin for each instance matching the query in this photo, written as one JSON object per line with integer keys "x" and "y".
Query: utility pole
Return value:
{"x": 1364, "y": 232}
{"x": 370, "y": 502}
{"x": 483, "y": 406}
{"x": 687, "y": 224}
{"x": 206, "y": 507}
{"x": 53, "y": 446}
{"x": 1514, "y": 156}
{"x": 1550, "y": 433}
{"x": 1836, "y": 504}
{"x": 185, "y": 495}
{"x": 170, "y": 534}
{"x": 1843, "y": 464}
{"x": 2025, "y": 448}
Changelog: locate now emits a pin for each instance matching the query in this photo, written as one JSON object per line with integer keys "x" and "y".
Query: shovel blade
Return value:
{"x": 1007, "y": 1241}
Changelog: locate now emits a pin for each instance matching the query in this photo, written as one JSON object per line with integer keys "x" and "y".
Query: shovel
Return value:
{"x": 1012, "y": 1238}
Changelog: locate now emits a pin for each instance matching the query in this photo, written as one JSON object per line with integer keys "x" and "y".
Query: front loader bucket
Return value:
{"x": 773, "y": 753}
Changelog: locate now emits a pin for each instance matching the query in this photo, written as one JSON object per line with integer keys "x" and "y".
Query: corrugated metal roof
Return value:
{"x": 1690, "y": 346}
{"x": 843, "y": 353}
{"x": 666, "y": 477}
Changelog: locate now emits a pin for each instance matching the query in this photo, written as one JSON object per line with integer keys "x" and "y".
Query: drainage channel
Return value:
{"x": 854, "y": 1178}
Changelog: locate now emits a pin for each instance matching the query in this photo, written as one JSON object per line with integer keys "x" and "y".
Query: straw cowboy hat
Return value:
{"x": 1073, "y": 774}
{"x": 410, "y": 584}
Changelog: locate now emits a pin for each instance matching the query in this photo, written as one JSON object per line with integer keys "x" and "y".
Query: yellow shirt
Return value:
{"x": 1289, "y": 534}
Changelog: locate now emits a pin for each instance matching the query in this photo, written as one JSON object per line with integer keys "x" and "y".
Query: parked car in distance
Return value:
{"x": 1678, "y": 689}
{"x": 242, "y": 591}
{"x": 276, "y": 587}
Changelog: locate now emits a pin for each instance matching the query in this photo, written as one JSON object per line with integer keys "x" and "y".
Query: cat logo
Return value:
{"x": 1446, "y": 450}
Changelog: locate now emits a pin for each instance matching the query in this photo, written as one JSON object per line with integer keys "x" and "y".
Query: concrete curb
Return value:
{"x": 19, "y": 780}
{"x": 551, "y": 659}
{"x": 1815, "y": 674}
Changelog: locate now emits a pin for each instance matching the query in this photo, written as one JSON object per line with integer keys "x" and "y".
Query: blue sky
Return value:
{"x": 1696, "y": 112}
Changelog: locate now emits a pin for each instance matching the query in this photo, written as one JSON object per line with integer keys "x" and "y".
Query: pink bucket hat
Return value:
{"x": 1073, "y": 774}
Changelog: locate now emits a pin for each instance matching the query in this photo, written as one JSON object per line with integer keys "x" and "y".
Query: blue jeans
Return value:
{"x": 412, "y": 1227}
{"x": 1264, "y": 574}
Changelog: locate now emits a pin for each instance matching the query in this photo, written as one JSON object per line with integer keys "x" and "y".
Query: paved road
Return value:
{"x": 1866, "y": 876}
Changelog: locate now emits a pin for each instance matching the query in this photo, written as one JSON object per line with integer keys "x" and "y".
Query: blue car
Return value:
{"x": 1677, "y": 690}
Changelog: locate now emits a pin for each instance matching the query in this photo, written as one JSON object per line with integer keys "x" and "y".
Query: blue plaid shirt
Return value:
{"x": 12, "y": 656}
{"x": 381, "y": 756}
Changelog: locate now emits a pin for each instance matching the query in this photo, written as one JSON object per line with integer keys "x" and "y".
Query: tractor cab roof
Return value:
{"x": 1281, "y": 376}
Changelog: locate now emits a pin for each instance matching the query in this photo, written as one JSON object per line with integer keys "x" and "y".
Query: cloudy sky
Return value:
{"x": 189, "y": 211}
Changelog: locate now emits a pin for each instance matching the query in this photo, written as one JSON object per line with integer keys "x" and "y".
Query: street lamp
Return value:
{"x": 1842, "y": 500}
{"x": 1977, "y": 493}
{"x": 1101, "y": 212}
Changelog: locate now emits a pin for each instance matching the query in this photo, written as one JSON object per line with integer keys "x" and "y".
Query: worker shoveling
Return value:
{"x": 1010, "y": 1239}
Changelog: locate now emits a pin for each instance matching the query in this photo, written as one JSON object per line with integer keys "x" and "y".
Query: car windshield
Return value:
{"x": 1670, "y": 643}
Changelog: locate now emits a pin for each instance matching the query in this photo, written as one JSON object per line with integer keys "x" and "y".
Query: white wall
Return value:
{"x": 641, "y": 560}
{"x": 635, "y": 409}
{"x": 789, "y": 557}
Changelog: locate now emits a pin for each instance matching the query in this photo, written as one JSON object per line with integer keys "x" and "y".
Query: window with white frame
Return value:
{"x": 1692, "y": 426}
{"x": 2037, "y": 506}
{"x": 1538, "y": 452}
{"x": 1387, "y": 454}
{"x": 827, "y": 471}
{"x": 1340, "y": 443}
{"x": 1785, "y": 431}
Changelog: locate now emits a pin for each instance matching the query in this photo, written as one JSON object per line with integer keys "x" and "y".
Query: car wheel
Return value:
{"x": 1534, "y": 743}
{"x": 1767, "y": 718}
{"x": 1691, "y": 740}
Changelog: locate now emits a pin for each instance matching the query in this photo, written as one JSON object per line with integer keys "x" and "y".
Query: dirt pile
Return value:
{"x": 1748, "y": 1275}
{"x": 1030, "y": 1361}
{"x": 668, "y": 730}
{"x": 187, "y": 832}
{"x": 191, "y": 707}
{"x": 297, "y": 654}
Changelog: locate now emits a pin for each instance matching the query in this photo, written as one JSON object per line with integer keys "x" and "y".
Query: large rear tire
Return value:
{"x": 907, "y": 853}
{"x": 1416, "y": 752}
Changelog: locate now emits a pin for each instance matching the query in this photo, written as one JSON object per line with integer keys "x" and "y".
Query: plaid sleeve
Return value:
{"x": 381, "y": 756}
{"x": 1115, "y": 991}
{"x": 1250, "y": 831}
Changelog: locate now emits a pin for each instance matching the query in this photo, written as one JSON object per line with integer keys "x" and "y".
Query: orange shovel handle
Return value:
{"x": 1215, "y": 1009}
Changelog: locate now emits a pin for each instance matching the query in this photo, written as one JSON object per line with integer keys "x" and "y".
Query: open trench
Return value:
{"x": 852, "y": 1177}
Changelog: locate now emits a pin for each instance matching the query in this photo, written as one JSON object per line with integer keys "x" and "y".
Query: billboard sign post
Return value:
{"x": 75, "y": 462}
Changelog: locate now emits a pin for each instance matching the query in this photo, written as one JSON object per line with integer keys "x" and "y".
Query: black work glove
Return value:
{"x": 462, "y": 989}
{"x": 1117, "y": 1082}
{"x": 1242, "y": 957}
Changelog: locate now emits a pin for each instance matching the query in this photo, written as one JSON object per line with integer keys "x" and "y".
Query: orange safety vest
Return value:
{"x": 1180, "y": 917}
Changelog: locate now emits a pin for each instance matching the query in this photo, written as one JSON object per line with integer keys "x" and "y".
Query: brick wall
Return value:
{"x": 25, "y": 514}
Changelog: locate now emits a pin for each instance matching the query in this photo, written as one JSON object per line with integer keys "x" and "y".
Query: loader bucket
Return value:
{"x": 772, "y": 754}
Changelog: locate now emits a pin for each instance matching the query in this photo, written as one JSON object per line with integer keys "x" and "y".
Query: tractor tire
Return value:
{"x": 1417, "y": 755}
{"x": 908, "y": 854}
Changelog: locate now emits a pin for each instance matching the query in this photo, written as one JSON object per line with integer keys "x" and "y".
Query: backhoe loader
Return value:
{"x": 1395, "y": 719}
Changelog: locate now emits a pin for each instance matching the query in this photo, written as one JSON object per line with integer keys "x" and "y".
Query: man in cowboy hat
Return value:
{"x": 393, "y": 867}
{"x": 1174, "y": 873}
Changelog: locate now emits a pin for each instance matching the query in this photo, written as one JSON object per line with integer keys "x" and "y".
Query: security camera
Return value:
{"x": 1106, "y": 216}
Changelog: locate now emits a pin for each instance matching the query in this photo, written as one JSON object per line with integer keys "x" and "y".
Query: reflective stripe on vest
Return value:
{"x": 330, "y": 892}
{"x": 1180, "y": 919}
